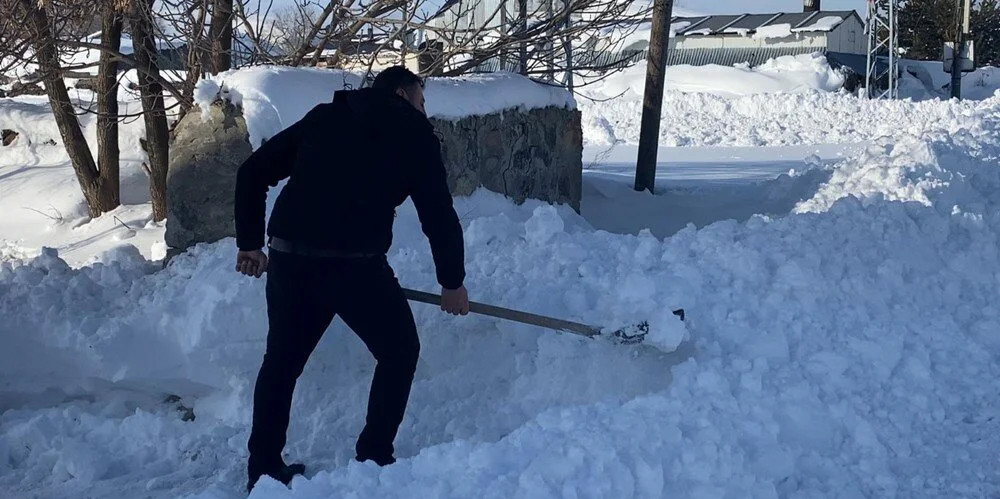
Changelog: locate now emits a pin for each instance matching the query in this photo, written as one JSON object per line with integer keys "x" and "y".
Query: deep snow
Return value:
{"x": 846, "y": 344}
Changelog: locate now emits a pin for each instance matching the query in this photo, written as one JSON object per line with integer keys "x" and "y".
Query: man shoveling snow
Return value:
{"x": 349, "y": 164}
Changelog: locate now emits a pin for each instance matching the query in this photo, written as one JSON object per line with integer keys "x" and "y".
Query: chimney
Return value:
{"x": 810, "y": 5}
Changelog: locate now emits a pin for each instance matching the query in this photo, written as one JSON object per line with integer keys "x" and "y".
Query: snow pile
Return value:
{"x": 930, "y": 170}
{"x": 803, "y": 73}
{"x": 706, "y": 119}
{"x": 848, "y": 345}
{"x": 275, "y": 97}
{"x": 841, "y": 350}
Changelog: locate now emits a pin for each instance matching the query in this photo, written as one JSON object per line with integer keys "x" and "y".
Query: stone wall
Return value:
{"x": 534, "y": 154}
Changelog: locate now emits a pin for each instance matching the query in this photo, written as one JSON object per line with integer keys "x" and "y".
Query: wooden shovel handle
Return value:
{"x": 511, "y": 315}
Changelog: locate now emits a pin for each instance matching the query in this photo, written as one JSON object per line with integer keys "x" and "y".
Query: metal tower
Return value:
{"x": 882, "y": 73}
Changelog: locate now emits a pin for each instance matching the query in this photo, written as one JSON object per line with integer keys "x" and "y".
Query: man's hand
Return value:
{"x": 251, "y": 263}
{"x": 455, "y": 301}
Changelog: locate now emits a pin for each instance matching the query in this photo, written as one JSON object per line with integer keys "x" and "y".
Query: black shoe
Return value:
{"x": 283, "y": 474}
{"x": 383, "y": 461}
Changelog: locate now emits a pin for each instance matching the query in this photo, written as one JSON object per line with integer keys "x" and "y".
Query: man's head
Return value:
{"x": 403, "y": 83}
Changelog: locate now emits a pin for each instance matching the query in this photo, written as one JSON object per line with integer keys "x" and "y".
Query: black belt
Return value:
{"x": 286, "y": 246}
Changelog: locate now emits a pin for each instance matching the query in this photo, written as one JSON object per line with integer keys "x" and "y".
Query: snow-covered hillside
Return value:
{"x": 846, "y": 344}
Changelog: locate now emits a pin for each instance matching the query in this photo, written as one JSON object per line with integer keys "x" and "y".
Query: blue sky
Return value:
{"x": 741, "y": 6}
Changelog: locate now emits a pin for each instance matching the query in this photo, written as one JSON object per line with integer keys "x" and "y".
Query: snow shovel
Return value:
{"x": 629, "y": 335}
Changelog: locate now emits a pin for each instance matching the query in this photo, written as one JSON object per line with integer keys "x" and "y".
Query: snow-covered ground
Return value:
{"x": 846, "y": 343}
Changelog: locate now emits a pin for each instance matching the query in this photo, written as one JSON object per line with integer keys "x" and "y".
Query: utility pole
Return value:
{"x": 522, "y": 49}
{"x": 963, "y": 11}
{"x": 505, "y": 29}
{"x": 652, "y": 100}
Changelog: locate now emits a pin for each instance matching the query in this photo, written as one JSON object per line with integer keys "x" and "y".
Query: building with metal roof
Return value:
{"x": 755, "y": 38}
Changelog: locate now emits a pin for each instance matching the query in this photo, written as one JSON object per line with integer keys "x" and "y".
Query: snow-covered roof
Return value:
{"x": 742, "y": 24}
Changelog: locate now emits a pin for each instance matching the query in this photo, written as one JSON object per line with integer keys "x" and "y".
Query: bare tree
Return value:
{"x": 599, "y": 29}
{"x": 541, "y": 39}
{"x": 35, "y": 28}
{"x": 292, "y": 25}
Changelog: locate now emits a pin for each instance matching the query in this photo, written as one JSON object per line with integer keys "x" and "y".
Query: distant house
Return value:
{"x": 755, "y": 38}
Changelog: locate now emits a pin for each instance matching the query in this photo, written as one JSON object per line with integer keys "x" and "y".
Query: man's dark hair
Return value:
{"x": 395, "y": 78}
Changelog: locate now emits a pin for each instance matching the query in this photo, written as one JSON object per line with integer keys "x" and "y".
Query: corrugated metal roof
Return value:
{"x": 748, "y": 23}
{"x": 752, "y": 21}
{"x": 712, "y": 23}
{"x": 793, "y": 19}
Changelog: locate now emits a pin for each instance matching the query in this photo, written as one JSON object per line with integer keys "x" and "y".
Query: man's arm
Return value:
{"x": 267, "y": 166}
{"x": 437, "y": 214}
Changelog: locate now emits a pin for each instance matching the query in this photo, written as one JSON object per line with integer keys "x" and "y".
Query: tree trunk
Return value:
{"x": 99, "y": 198}
{"x": 108, "y": 154}
{"x": 220, "y": 34}
{"x": 153, "y": 113}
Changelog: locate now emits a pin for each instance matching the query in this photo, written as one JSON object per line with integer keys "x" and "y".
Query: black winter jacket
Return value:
{"x": 350, "y": 163}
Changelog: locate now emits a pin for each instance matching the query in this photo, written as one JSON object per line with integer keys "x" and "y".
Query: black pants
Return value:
{"x": 303, "y": 296}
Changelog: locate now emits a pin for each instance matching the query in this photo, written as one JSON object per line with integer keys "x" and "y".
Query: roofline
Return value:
{"x": 843, "y": 14}
{"x": 811, "y": 16}
{"x": 771, "y": 20}
{"x": 738, "y": 19}
{"x": 687, "y": 28}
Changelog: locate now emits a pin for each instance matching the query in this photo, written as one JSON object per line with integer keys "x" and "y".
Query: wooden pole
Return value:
{"x": 522, "y": 21}
{"x": 652, "y": 101}
{"x": 956, "y": 59}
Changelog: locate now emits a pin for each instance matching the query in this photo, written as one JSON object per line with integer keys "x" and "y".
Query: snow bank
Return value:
{"x": 790, "y": 100}
{"x": 804, "y": 73}
{"x": 708, "y": 119}
{"x": 275, "y": 97}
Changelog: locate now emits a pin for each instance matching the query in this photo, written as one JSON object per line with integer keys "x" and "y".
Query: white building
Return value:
{"x": 754, "y": 38}
{"x": 485, "y": 15}
{"x": 739, "y": 39}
